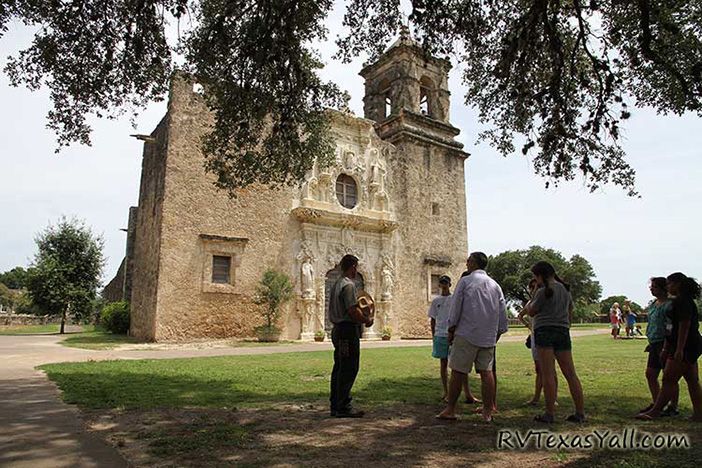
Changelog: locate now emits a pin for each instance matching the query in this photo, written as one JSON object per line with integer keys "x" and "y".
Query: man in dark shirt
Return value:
{"x": 346, "y": 337}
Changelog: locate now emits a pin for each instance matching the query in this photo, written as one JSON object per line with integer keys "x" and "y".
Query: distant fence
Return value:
{"x": 7, "y": 319}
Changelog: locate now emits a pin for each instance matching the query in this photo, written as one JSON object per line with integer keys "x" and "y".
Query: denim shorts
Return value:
{"x": 554, "y": 337}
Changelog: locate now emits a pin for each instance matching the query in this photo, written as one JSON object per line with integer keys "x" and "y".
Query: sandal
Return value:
{"x": 474, "y": 401}
{"x": 644, "y": 417}
{"x": 544, "y": 418}
{"x": 576, "y": 418}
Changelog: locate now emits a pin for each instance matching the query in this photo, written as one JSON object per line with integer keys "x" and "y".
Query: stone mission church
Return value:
{"x": 395, "y": 198}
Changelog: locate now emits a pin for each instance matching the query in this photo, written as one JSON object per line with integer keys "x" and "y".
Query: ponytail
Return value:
{"x": 546, "y": 271}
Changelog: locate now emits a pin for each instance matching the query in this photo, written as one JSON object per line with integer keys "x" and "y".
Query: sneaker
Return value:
{"x": 670, "y": 411}
{"x": 576, "y": 418}
{"x": 544, "y": 418}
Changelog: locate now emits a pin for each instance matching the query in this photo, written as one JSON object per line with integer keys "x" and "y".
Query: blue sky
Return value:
{"x": 627, "y": 240}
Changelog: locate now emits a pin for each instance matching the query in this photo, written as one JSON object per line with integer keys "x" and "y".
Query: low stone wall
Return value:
{"x": 25, "y": 319}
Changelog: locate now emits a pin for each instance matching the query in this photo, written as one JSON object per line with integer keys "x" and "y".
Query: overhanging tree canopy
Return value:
{"x": 512, "y": 270}
{"x": 558, "y": 77}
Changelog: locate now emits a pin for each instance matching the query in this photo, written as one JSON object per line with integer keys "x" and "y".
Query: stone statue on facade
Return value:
{"x": 387, "y": 279}
{"x": 307, "y": 278}
{"x": 309, "y": 189}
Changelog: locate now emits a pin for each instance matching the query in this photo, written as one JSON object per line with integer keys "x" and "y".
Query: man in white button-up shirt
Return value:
{"x": 477, "y": 318}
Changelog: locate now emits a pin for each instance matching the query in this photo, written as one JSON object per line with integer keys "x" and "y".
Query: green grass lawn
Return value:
{"x": 95, "y": 338}
{"x": 611, "y": 373}
{"x": 28, "y": 329}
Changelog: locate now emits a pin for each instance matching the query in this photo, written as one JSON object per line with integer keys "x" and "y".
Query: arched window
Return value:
{"x": 423, "y": 101}
{"x": 386, "y": 95}
{"x": 346, "y": 191}
{"x": 426, "y": 91}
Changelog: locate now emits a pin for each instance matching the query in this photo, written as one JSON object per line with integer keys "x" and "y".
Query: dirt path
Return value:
{"x": 38, "y": 430}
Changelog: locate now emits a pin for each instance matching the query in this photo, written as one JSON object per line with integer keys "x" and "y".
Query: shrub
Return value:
{"x": 274, "y": 290}
{"x": 115, "y": 317}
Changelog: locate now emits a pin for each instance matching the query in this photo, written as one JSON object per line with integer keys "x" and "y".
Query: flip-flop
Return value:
{"x": 446, "y": 418}
{"x": 474, "y": 401}
{"x": 644, "y": 417}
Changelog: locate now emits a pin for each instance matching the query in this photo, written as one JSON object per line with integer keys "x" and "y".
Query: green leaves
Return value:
{"x": 558, "y": 75}
{"x": 512, "y": 270}
{"x": 274, "y": 290}
{"x": 67, "y": 269}
{"x": 260, "y": 78}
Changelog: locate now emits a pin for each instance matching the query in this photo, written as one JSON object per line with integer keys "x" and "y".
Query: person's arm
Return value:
{"x": 683, "y": 330}
{"x": 503, "y": 323}
{"x": 456, "y": 309}
{"x": 522, "y": 317}
{"x": 571, "y": 306}
{"x": 433, "y": 326}
{"x": 535, "y": 304}
{"x": 350, "y": 301}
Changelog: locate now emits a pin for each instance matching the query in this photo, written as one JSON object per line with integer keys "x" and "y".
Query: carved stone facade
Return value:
{"x": 394, "y": 197}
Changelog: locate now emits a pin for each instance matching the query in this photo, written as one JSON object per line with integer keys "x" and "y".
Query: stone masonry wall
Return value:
{"x": 188, "y": 306}
{"x": 147, "y": 239}
{"x": 431, "y": 175}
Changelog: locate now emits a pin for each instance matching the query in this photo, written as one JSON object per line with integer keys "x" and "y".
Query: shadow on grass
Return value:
{"x": 195, "y": 420}
{"x": 97, "y": 340}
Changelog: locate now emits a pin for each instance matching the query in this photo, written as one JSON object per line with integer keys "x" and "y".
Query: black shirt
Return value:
{"x": 683, "y": 308}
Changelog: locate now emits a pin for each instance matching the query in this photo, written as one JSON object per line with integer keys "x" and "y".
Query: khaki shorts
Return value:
{"x": 464, "y": 355}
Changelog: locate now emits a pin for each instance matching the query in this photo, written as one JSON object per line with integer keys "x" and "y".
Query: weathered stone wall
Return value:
{"x": 189, "y": 306}
{"x": 430, "y": 243}
{"x": 429, "y": 186}
{"x": 409, "y": 222}
{"x": 147, "y": 237}
{"x": 114, "y": 290}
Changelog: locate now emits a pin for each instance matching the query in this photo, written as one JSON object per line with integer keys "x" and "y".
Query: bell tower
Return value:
{"x": 407, "y": 96}
{"x": 406, "y": 91}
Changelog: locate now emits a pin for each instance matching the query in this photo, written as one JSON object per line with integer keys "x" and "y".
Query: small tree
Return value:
{"x": 274, "y": 290}
{"x": 66, "y": 271}
{"x": 606, "y": 304}
{"x": 8, "y": 297}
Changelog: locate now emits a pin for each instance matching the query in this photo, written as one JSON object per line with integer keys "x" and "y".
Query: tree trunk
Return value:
{"x": 63, "y": 322}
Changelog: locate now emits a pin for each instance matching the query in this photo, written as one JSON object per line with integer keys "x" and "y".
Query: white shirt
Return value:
{"x": 439, "y": 311}
{"x": 478, "y": 310}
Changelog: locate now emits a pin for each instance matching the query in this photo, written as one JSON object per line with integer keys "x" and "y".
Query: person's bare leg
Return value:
{"x": 444, "y": 378}
{"x": 466, "y": 391}
{"x": 565, "y": 362}
{"x": 548, "y": 378}
{"x": 671, "y": 375}
{"x": 652, "y": 380}
{"x": 676, "y": 395}
{"x": 537, "y": 385}
{"x": 693, "y": 384}
{"x": 487, "y": 385}
{"x": 454, "y": 391}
